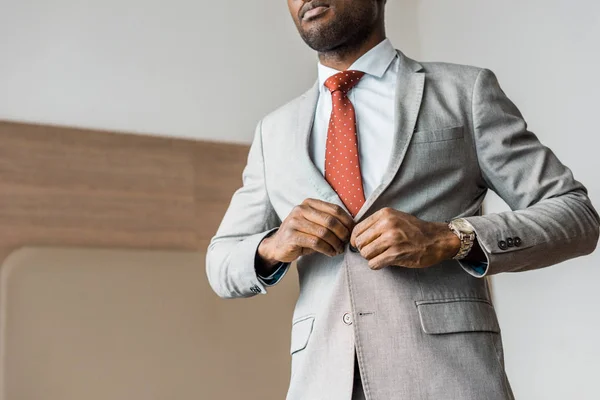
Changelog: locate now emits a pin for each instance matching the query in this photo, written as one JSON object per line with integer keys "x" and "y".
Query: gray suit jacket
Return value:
{"x": 418, "y": 333}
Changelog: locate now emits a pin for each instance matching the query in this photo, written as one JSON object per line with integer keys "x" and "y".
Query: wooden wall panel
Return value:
{"x": 76, "y": 187}
{"x": 218, "y": 174}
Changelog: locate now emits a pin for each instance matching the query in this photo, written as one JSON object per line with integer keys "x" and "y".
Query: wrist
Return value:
{"x": 448, "y": 242}
{"x": 266, "y": 261}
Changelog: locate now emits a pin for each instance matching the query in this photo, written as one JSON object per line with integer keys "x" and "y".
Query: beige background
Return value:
{"x": 121, "y": 324}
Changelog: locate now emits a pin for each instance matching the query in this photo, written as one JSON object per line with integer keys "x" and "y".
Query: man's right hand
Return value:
{"x": 313, "y": 226}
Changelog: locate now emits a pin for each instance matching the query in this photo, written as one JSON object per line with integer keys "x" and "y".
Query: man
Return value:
{"x": 373, "y": 182}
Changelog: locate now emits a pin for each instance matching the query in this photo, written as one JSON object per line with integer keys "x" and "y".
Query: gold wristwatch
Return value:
{"x": 465, "y": 232}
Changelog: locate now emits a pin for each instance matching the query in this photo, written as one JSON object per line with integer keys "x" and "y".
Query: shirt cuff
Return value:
{"x": 276, "y": 276}
{"x": 280, "y": 269}
{"x": 476, "y": 268}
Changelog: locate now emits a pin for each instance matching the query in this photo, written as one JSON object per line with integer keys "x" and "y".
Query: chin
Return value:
{"x": 321, "y": 37}
{"x": 320, "y": 42}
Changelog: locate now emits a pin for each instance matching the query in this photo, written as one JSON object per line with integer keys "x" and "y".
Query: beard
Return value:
{"x": 346, "y": 30}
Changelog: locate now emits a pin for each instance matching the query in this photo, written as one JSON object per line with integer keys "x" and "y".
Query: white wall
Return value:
{"x": 545, "y": 53}
{"x": 188, "y": 68}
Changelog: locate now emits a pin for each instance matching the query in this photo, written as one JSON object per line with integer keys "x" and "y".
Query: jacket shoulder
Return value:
{"x": 286, "y": 111}
{"x": 459, "y": 74}
{"x": 438, "y": 66}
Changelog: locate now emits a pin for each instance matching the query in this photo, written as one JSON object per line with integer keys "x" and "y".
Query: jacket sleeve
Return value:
{"x": 231, "y": 255}
{"x": 552, "y": 218}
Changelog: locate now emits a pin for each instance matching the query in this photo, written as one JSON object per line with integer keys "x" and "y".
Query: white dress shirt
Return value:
{"x": 373, "y": 101}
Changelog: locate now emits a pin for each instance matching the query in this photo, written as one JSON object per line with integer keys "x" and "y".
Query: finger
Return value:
{"x": 329, "y": 222}
{"x": 363, "y": 226}
{"x": 332, "y": 209}
{"x": 314, "y": 243}
{"x": 369, "y": 235}
{"x": 374, "y": 249}
{"x": 383, "y": 260}
{"x": 314, "y": 229}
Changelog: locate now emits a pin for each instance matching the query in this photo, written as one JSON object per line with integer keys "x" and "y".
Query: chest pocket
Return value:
{"x": 435, "y": 156}
{"x": 440, "y": 135}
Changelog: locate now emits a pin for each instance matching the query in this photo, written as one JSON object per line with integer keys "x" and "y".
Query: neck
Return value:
{"x": 342, "y": 57}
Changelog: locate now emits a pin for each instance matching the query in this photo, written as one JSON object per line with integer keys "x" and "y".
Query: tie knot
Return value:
{"x": 343, "y": 81}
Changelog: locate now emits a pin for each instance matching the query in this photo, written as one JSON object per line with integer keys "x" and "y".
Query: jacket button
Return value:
{"x": 353, "y": 249}
{"x": 347, "y": 319}
{"x": 502, "y": 244}
{"x": 518, "y": 241}
{"x": 510, "y": 242}
{"x": 255, "y": 289}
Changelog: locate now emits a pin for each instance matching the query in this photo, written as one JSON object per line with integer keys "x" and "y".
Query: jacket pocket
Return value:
{"x": 457, "y": 315}
{"x": 301, "y": 331}
{"x": 438, "y": 135}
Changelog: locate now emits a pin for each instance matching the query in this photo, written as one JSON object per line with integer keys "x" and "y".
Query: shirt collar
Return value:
{"x": 374, "y": 62}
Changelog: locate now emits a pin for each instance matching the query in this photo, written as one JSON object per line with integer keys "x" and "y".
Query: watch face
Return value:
{"x": 463, "y": 226}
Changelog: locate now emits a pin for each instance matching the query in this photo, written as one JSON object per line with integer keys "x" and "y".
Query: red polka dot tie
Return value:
{"x": 342, "y": 168}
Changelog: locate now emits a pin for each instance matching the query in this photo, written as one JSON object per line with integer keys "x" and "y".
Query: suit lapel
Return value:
{"x": 409, "y": 94}
{"x": 306, "y": 116}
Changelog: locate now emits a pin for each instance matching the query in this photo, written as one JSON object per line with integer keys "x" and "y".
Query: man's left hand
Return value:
{"x": 391, "y": 237}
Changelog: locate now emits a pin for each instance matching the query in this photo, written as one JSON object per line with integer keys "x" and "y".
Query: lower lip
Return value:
{"x": 315, "y": 12}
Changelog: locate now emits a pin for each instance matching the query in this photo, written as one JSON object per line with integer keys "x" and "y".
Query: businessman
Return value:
{"x": 372, "y": 182}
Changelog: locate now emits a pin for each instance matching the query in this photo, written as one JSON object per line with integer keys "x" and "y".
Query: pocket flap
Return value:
{"x": 301, "y": 330}
{"x": 457, "y": 315}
